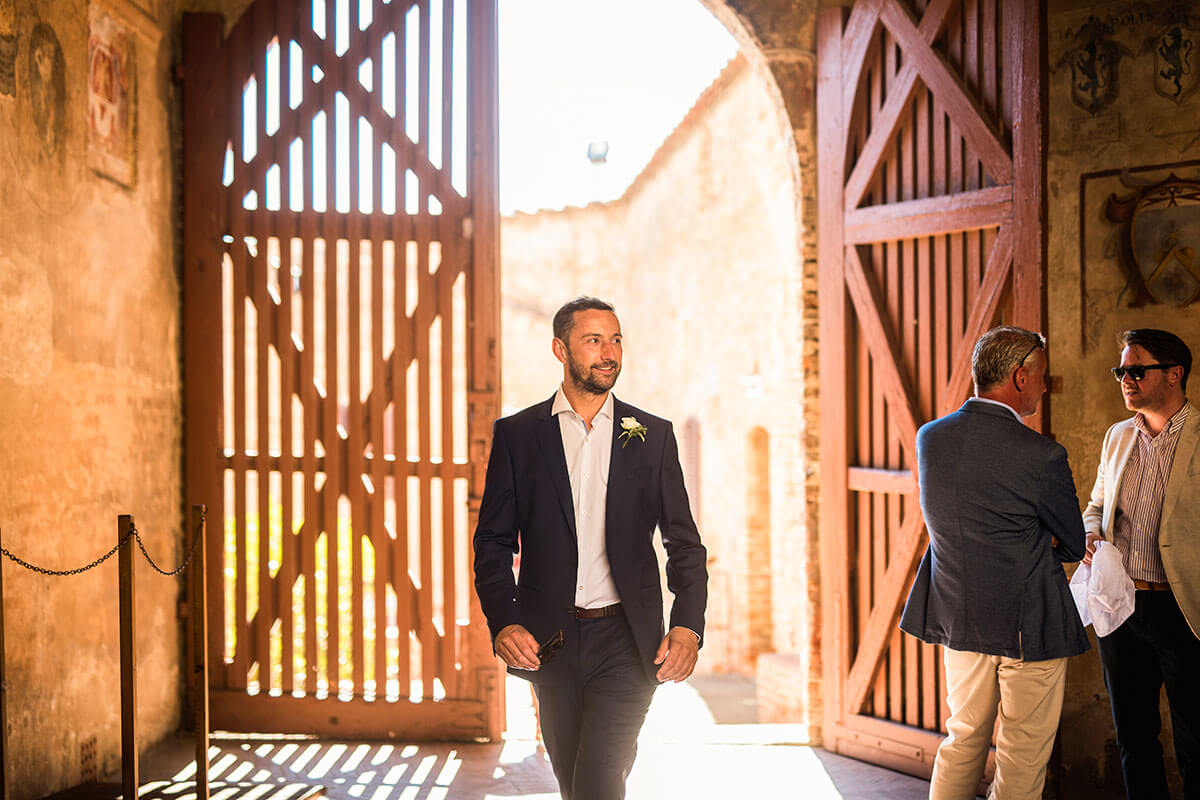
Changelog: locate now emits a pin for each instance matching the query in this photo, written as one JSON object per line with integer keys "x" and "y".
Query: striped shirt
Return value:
{"x": 1140, "y": 499}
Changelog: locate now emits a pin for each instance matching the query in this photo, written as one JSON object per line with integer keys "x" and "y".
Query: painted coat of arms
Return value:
{"x": 111, "y": 117}
{"x": 1160, "y": 240}
{"x": 1094, "y": 62}
{"x": 1175, "y": 67}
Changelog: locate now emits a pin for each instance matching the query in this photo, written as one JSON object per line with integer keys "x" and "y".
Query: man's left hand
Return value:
{"x": 678, "y": 653}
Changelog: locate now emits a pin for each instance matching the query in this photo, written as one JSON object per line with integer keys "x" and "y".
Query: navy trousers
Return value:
{"x": 1154, "y": 648}
{"x": 592, "y": 711}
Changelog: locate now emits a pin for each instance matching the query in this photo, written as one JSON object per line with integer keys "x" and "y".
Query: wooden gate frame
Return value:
{"x": 1017, "y": 205}
{"x": 206, "y": 110}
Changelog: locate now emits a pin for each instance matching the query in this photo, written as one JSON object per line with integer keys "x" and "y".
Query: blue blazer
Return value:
{"x": 527, "y": 504}
{"x": 993, "y": 493}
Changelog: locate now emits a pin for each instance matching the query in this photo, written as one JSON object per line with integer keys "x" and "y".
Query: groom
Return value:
{"x": 578, "y": 484}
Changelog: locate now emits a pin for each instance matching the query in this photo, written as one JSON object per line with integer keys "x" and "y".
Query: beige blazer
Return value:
{"x": 1179, "y": 530}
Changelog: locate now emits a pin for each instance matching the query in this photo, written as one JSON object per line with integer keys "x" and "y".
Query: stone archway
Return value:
{"x": 577, "y": 250}
{"x": 779, "y": 39}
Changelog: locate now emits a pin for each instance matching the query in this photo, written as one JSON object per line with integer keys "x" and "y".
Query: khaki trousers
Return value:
{"x": 1027, "y": 696}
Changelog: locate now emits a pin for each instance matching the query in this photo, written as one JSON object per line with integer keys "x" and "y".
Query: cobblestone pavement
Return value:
{"x": 698, "y": 742}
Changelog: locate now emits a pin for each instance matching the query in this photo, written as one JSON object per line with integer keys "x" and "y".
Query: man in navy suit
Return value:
{"x": 1000, "y": 506}
{"x": 578, "y": 483}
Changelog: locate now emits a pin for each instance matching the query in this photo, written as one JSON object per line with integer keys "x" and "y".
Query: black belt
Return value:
{"x": 598, "y": 613}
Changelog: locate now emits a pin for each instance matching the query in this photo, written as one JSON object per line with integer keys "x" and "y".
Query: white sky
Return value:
{"x": 572, "y": 71}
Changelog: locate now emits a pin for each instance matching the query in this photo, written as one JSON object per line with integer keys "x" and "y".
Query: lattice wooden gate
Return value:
{"x": 930, "y": 185}
{"x": 341, "y": 359}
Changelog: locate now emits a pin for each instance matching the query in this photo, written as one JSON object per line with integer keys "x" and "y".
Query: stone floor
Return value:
{"x": 699, "y": 741}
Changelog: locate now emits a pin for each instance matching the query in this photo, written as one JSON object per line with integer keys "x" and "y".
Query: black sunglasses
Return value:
{"x": 550, "y": 647}
{"x": 1138, "y": 371}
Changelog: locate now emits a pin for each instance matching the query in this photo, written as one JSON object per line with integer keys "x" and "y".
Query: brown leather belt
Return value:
{"x": 598, "y": 613}
{"x": 1151, "y": 586}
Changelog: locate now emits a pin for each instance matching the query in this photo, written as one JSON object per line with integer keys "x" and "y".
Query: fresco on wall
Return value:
{"x": 1094, "y": 64}
{"x": 1176, "y": 73}
{"x": 8, "y": 49}
{"x": 110, "y": 129}
{"x": 1152, "y": 51}
{"x": 1139, "y": 243}
{"x": 1159, "y": 243}
{"x": 41, "y": 135}
{"x": 46, "y": 74}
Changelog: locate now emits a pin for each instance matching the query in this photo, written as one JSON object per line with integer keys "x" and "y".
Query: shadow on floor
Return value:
{"x": 699, "y": 742}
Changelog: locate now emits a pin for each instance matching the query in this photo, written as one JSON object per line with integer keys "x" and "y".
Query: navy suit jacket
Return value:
{"x": 993, "y": 493}
{"x": 527, "y": 505}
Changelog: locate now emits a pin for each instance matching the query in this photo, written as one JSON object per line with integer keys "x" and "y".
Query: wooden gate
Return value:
{"x": 930, "y": 185}
{"x": 341, "y": 360}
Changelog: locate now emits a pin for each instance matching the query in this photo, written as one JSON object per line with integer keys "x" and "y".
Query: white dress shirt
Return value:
{"x": 588, "y": 454}
{"x": 1005, "y": 406}
{"x": 1138, "y": 510}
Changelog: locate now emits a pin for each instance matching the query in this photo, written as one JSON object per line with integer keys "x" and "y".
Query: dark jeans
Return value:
{"x": 1154, "y": 648}
{"x": 592, "y": 712}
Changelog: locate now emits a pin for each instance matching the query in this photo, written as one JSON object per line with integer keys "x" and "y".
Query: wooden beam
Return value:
{"x": 983, "y": 311}
{"x": 948, "y": 88}
{"x": 835, "y": 428}
{"x": 1023, "y": 41}
{"x": 483, "y": 308}
{"x": 205, "y": 124}
{"x": 444, "y": 720}
{"x": 885, "y": 481}
{"x": 902, "y": 563}
{"x": 933, "y": 216}
{"x": 860, "y": 29}
{"x": 885, "y": 353}
{"x": 885, "y": 125}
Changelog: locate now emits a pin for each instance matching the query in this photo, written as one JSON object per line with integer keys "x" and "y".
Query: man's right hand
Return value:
{"x": 1091, "y": 539}
{"x": 517, "y": 647}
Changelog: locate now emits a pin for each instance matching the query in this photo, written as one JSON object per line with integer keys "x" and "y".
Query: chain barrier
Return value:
{"x": 133, "y": 533}
{"x": 60, "y": 572}
{"x": 141, "y": 546}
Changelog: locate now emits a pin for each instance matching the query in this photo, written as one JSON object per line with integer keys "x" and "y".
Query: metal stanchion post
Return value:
{"x": 200, "y": 649}
{"x": 3, "y": 699}
{"x": 129, "y": 754}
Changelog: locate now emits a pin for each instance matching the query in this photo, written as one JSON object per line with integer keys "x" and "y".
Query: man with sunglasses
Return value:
{"x": 1000, "y": 506}
{"x": 1146, "y": 501}
{"x": 580, "y": 482}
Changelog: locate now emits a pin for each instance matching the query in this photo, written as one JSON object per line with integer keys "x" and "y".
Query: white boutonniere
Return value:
{"x": 630, "y": 428}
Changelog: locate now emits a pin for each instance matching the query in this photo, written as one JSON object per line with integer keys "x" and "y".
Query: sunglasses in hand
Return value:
{"x": 551, "y": 646}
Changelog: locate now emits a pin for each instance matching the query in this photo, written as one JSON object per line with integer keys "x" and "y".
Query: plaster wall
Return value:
{"x": 702, "y": 260}
{"x": 89, "y": 397}
{"x": 1127, "y": 125}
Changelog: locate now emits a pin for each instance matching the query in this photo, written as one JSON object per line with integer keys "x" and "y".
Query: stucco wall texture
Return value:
{"x": 89, "y": 403}
{"x": 1130, "y": 126}
{"x": 701, "y": 258}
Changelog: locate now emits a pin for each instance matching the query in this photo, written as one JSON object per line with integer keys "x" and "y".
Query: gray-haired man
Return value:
{"x": 1000, "y": 506}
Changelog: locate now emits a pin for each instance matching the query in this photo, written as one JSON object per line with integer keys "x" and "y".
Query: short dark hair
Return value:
{"x": 999, "y": 352}
{"x": 564, "y": 318}
{"x": 1163, "y": 345}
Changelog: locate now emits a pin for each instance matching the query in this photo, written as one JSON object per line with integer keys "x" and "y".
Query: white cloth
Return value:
{"x": 588, "y": 454}
{"x": 1103, "y": 591}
